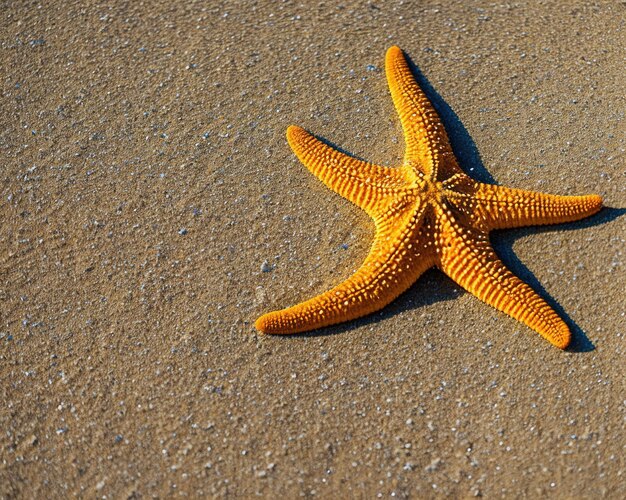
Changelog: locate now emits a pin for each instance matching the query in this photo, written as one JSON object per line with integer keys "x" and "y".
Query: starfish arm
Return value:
{"x": 472, "y": 263}
{"x": 394, "y": 263}
{"x": 427, "y": 146}
{"x": 501, "y": 207}
{"x": 363, "y": 183}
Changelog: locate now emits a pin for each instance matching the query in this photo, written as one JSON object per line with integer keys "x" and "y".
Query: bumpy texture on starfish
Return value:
{"x": 427, "y": 213}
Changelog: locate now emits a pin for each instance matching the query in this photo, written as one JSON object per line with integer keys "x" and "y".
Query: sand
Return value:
{"x": 151, "y": 209}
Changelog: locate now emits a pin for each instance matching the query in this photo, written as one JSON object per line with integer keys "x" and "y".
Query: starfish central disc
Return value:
{"x": 427, "y": 213}
{"x": 431, "y": 191}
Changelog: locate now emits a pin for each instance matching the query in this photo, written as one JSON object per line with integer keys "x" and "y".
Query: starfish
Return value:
{"x": 427, "y": 213}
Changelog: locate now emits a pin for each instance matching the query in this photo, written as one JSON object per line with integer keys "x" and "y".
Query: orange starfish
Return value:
{"x": 427, "y": 213}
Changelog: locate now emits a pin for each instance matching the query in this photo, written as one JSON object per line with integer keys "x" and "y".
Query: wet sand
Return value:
{"x": 151, "y": 210}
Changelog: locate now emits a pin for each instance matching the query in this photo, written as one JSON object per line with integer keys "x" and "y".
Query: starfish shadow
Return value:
{"x": 434, "y": 286}
{"x": 467, "y": 154}
{"x": 502, "y": 242}
{"x": 462, "y": 143}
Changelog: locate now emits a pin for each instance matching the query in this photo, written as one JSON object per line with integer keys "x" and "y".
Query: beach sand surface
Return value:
{"x": 151, "y": 210}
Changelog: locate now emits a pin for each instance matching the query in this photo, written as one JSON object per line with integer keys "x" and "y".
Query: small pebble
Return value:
{"x": 433, "y": 466}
